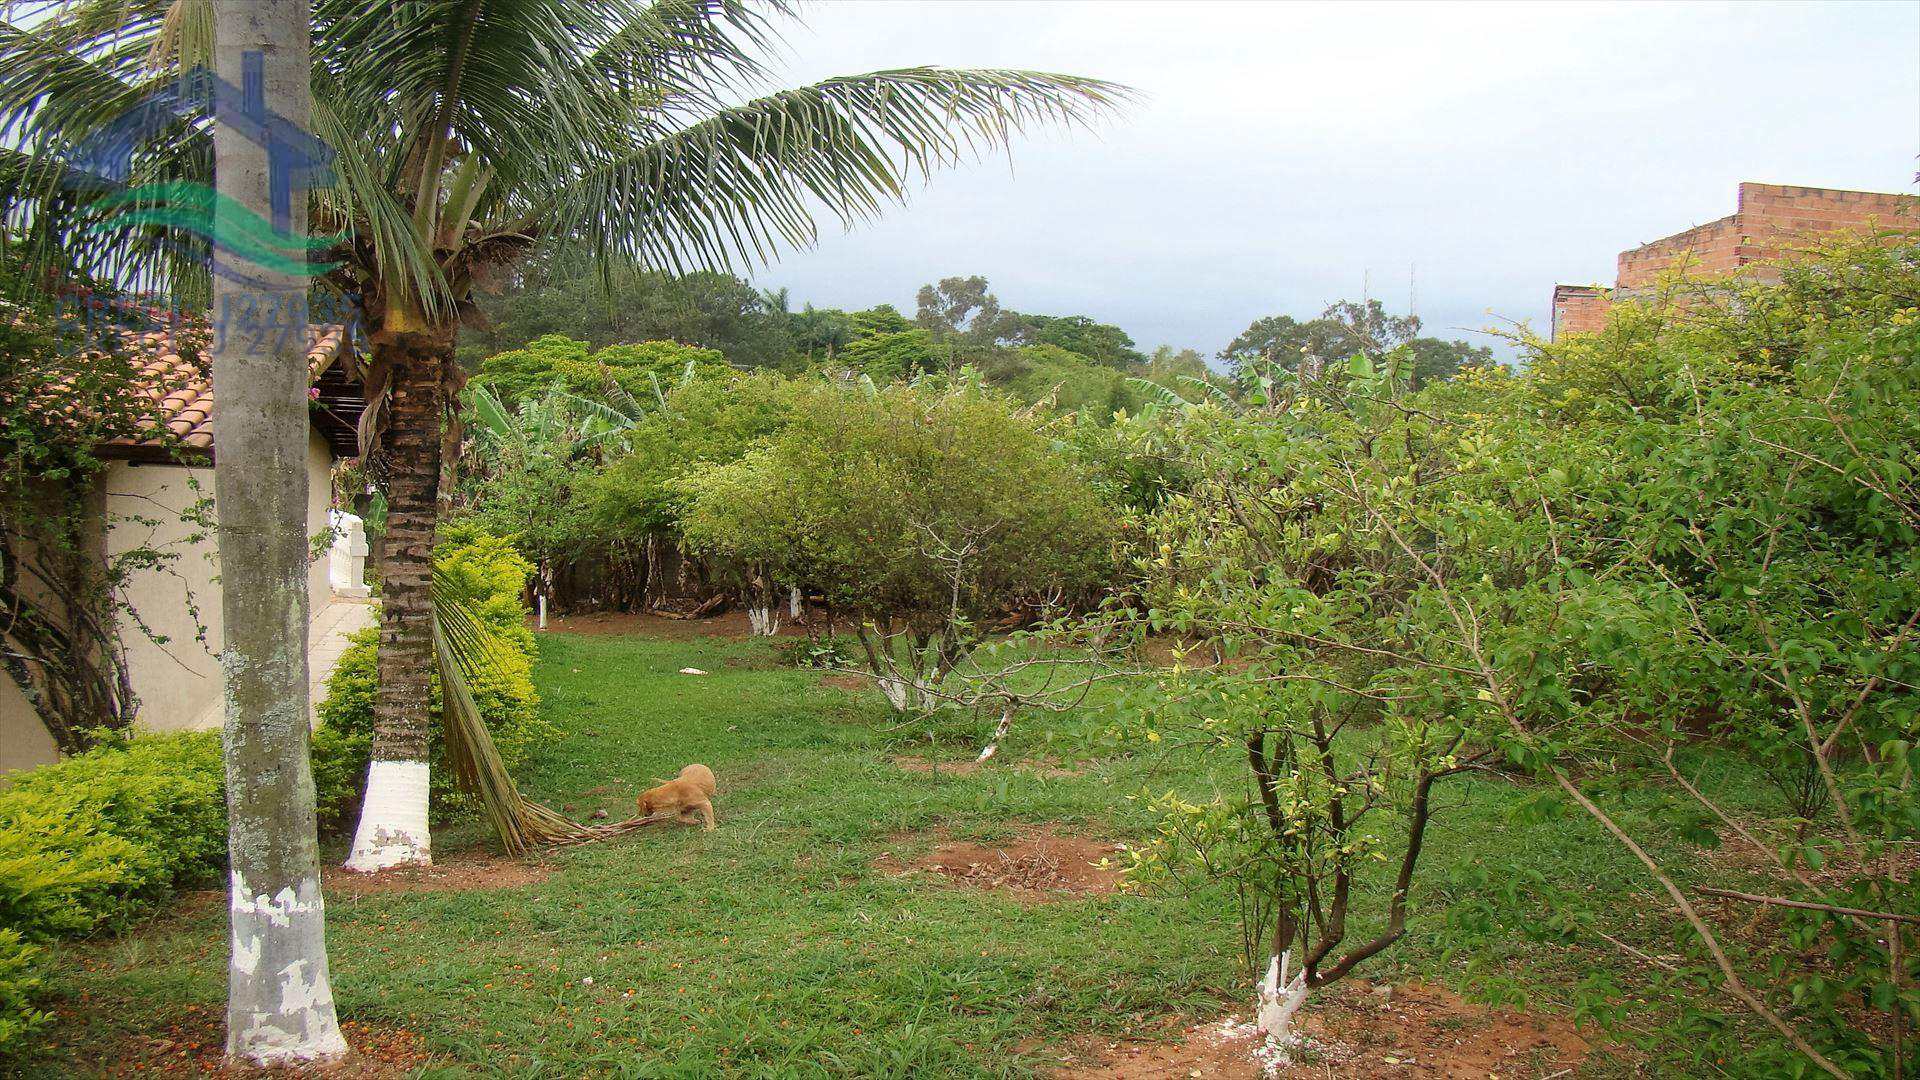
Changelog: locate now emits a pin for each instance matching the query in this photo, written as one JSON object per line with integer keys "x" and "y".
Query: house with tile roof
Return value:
{"x": 138, "y": 498}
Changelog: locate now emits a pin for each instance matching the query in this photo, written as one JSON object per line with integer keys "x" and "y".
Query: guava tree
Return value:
{"x": 1344, "y": 566}
{"x": 469, "y": 134}
{"x": 702, "y": 421}
{"x": 922, "y": 513}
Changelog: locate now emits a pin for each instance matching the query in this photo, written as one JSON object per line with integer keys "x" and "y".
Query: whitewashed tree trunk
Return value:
{"x": 899, "y": 692}
{"x": 279, "y": 1000}
{"x": 999, "y": 734}
{"x": 795, "y": 602}
{"x": 764, "y": 621}
{"x": 393, "y": 820}
{"x": 1279, "y": 998}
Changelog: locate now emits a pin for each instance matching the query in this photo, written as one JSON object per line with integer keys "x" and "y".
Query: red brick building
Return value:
{"x": 1769, "y": 223}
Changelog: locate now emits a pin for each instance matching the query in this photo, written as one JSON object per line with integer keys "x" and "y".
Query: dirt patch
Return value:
{"x": 460, "y": 873}
{"x": 1360, "y": 1032}
{"x": 1205, "y": 1050}
{"x": 1039, "y": 865}
{"x": 846, "y": 682}
{"x": 1736, "y": 855}
{"x": 732, "y": 624}
{"x": 195, "y": 1045}
{"x": 931, "y": 767}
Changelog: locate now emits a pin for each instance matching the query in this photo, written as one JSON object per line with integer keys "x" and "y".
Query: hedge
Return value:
{"x": 90, "y": 843}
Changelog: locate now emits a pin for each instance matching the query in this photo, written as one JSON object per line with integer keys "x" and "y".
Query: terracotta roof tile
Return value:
{"x": 181, "y": 386}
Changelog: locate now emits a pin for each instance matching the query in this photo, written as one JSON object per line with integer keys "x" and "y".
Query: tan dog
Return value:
{"x": 689, "y": 794}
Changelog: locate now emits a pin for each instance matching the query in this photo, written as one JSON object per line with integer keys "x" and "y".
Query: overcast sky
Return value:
{"x": 1288, "y": 155}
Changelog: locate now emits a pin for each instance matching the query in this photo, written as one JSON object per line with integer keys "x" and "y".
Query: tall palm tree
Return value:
{"x": 279, "y": 999}
{"x": 469, "y": 132}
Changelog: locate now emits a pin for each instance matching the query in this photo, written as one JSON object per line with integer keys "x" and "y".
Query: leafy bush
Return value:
{"x": 19, "y": 981}
{"x": 492, "y": 576}
{"x": 888, "y": 357}
{"x": 923, "y": 513}
{"x": 92, "y": 841}
{"x": 1068, "y": 381}
{"x": 641, "y": 370}
{"x": 1690, "y": 540}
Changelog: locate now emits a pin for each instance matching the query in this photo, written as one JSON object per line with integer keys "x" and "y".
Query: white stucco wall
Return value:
{"x": 24, "y": 741}
{"x": 177, "y": 681}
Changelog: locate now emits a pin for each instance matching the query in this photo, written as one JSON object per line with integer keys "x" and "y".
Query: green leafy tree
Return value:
{"x": 879, "y": 319}
{"x": 920, "y": 513}
{"x": 821, "y": 331}
{"x": 1064, "y": 381}
{"x": 966, "y": 318}
{"x": 705, "y": 308}
{"x": 616, "y": 374}
{"x": 1097, "y": 341}
{"x": 891, "y": 356}
{"x": 634, "y": 503}
{"x": 1344, "y": 330}
{"x": 1435, "y": 360}
{"x": 471, "y": 134}
{"x": 1695, "y": 522}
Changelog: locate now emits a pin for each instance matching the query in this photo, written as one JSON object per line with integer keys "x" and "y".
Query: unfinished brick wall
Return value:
{"x": 1771, "y": 223}
{"x": 1711, "y": 249}
{"x": 1778, "y": 221}
{"x": 1579, "y": 309}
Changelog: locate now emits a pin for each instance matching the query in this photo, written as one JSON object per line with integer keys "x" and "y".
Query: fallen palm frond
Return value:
{"x": 465, "y": 647}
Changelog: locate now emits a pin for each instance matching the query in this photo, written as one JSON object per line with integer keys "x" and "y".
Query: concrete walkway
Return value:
{"x": 327, "y": 638}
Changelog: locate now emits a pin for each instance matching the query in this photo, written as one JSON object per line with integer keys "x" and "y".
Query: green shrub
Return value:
{"x": 492, "y": 576}
{"x": 97, "y": 837}
{"x": 92, "y": 841}
{"x": 19, "y": 982}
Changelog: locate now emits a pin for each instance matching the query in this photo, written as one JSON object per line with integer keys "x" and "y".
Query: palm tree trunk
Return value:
{"x": 393, "y": 818}
{"x": 279, "y": 1000}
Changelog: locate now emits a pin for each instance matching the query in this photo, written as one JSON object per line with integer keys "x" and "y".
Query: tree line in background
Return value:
{"x": 957, "y": 321}
{"x": 595, "y": 394}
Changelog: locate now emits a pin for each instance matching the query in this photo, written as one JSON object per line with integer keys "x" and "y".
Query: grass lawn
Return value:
{"x": 775, "y": 946}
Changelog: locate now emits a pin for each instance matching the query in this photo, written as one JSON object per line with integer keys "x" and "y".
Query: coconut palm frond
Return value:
{"x": 466, "y": 649}
{"x": 744, "y": 182}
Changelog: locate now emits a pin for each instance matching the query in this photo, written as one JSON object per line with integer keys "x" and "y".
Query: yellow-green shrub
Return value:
{"x": 19, "y": 982}
{"x": 96, "y": 840}
{"x": 492, "y": 577}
